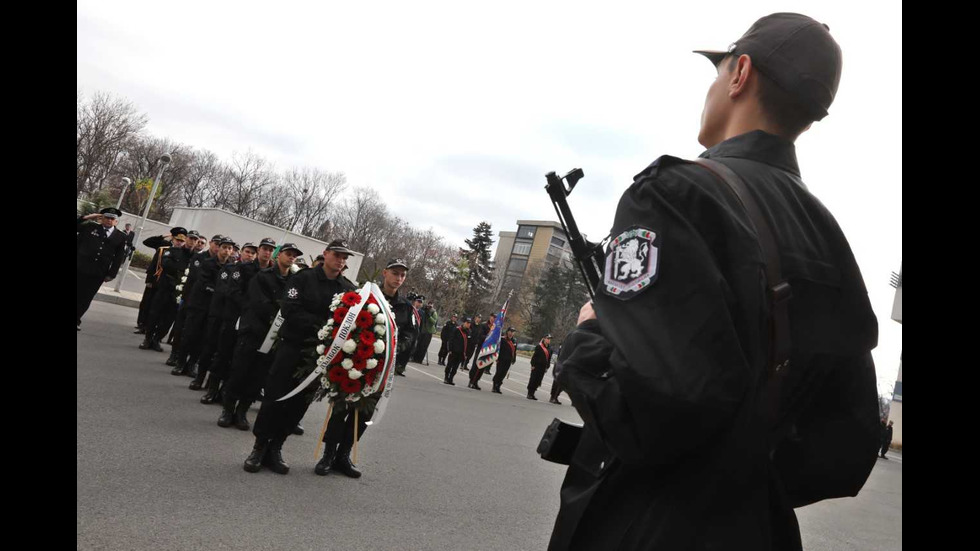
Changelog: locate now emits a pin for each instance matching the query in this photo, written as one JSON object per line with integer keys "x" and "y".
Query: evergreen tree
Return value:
{"x": 479, "y": 283}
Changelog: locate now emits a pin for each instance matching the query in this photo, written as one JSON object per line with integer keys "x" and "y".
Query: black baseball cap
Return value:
{"x": 510, "y": 329}
{"x": 267, "y": 242}
{"x": 178, "y": 232}
{"x": 797, "y": 53}
{"x": 250, "y": 244}
{"x": 467, "y": 319}
{"x": 339, "y": 246}
{"x": 217, "y": 238}
{"x": 394, "y": 262}
{"x": 286, "y": 246}
{"x": 194, "y": 234}
{"x": 227, "y": 240}
{"x": 111, "y": 212}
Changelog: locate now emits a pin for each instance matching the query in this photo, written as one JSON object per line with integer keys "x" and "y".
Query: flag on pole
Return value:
{"x": 491, "y": 346}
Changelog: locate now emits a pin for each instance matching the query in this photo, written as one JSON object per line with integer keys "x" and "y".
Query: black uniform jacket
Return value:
{"x": 264, "y": 299}
{"x": 447, "y": 332}
{"x": 193, "y": 268}
{"x": 222, "y": 287}
{"x": 96, "y": 254}
{"x": 478, "y": 334}
{"x": 239, "y": 277}
{"x": 408, "y": 329}
{"x": 541, "y": 357}
{"x": 306, "y": 305}
{"x": 173, "y": 263}
{"x": 458, "y": 342}
{"x": 669, "y": 381}
{"x": 155, "y": 242}
{"x": 207, "y": 281}
{"x": 506, "y": 352}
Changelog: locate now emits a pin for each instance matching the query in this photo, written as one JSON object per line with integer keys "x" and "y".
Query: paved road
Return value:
{"x": 447, "y": 468}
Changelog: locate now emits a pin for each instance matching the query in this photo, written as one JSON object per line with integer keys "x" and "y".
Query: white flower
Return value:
{"x": 379, "y": 347}
{"x": 324, "y": 333}
{"x": 321, "y": 349}
{"x": 322, "y": 361}
{"x": 379, "y": 319}
{"x": 373, "y": 308}
{"x": 180, "y": 287}
{"x": 347, "y": 363}
{"x": 350, "y": 346}
{"x": 367, "y": 391}
{"x": 380, "y": 330}
{"x": 332, "y": 394}
{"x": 372, "y": 363}
{"x": 330, "y": 322}
{"x": 354, "y": 374}
{"x": 324, "y": 381}
{"x": 183, "y": 279}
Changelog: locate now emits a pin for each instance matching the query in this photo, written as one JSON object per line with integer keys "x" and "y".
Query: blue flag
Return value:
{"x": 489, "y": 351}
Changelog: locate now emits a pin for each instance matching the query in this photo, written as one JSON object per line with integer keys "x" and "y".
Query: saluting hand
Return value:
{"x": 586, "y": 313}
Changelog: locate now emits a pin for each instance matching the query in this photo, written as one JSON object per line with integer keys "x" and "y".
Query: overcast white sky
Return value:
{"x": 455, "y": 113}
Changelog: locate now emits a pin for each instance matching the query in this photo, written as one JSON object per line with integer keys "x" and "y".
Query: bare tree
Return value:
{"x": 103, "y": 126}
{"x": 249, "y": 175}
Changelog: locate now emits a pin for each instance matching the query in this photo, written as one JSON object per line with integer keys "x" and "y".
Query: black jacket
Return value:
{"x": 154, "y": 242}
{"x": 97, "y": 254}
{"x": 459, "y": 342}
{"x": 506, "y": 352}
{"x": 447, "y": 331}
{"x": 408, "y": 327}
{"x": 478, "y": 334}
{"x": 669, "y": 378}
{"x": 239, "y": 277}
{"x": 307, "y": 304}
{"x": 205, "y": 285}
{"x": 173, "y": 263}
{"x": 263, "y": 301}
{"x": 541, "y": 358}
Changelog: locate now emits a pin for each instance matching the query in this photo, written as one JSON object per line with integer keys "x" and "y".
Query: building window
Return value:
{"x": 517, "y": 265}
{"x": 526, "y": 232}
{"x": 522, "y": 247}
{"x": 558, "y": 242}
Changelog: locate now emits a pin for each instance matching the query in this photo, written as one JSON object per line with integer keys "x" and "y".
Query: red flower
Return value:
{"x": 367, "y": 337}
{"x": 337, "y": 374}
{"x": 364, "y": 351}
{"x": 333, "y": 333}
{"x": 349, "y": 386}
{"x": 370, "y": 376}
{"x": 337, "y": 359}
{"x": 365, "y": 320}
{"x": 339, "y": 314}
{"x": 351, "y": 298}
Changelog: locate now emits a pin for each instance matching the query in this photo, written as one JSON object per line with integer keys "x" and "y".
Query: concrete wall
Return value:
{"x": 895, "y": 412}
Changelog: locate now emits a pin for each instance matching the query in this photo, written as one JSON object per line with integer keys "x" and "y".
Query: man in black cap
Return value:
{"x": 250, "y": 363}
{"x": 458, "y": 344}
{"x": 154, "y": 269}
{"x": 507, "y": 353}
{"x": 682, "y": 370}
{"x": 429, "y": 326}
{"x": 338, "y": 439}
{"x": 187, "y": 286}
{"x": 444, "y": 336}
{"x": 100, "y": 249}
{"x": 305, "y": 308}
{"x": 169, "y": 271}
{"x": 406, "y": 316}
{"x": 478, "y": 332}
{"x": 540, "y": 361}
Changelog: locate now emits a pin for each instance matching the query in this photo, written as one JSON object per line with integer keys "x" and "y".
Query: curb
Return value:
{"x": 117, "y": 298}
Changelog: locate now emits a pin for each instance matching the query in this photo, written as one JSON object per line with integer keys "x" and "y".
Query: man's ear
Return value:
{"x": 740, "y": 75}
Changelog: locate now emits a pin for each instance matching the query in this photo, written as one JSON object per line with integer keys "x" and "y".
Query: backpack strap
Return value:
{"x": 779, "y": 291}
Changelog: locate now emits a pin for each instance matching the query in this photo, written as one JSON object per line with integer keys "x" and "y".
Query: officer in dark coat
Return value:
{"x": 540, "y": 361}
{"x": 444, "y": 336}
{"x": 886, "y": 438}
{"x": 475, "y": 340}
{"x": 506, "y": 354}
{"x": 100, "y": 250}
{"x": 199, "y": 325}
{"x": 250, "y": 364}
{"x": 163, "y": 309}
{"x": 188, "y": 279}
{"x": 154, "y": 269}
{"x": 309, "y": 293}
{"x": 409, "y": 324}
{"x": 458, "y": 343}
{"x": 669, "y": 367}
{"x": 339, "y": 436}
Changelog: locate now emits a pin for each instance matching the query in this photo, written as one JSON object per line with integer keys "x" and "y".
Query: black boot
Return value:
{"x": 273, "y": 457}
{"x": 496, "y": 389}
{"x": 172, "y": 360}
{"x": 198, "y": 382}
{"x": 298, "y": 430}
{"x": 530, "y": 396}
{"x": 227, "y": 417}
{"x": 155, "y": 345}
{"x": 325, "y": 463}
{"x": 180, "y": 366}
{"x": 241, "y": 420}
{"x": 212, "y": 395}
{"x": 257, "y": 458}
{"x": 342, "y": 464}
{"x": 191, "y": 370}
{"x": 145, "y": 345}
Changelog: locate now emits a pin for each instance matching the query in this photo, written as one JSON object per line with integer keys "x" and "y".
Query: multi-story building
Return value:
{"x": 535, "y": 246}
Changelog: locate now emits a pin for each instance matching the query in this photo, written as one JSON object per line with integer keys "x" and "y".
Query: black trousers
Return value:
{"x": 884, "y": 448}
{"x": 452, "y": 364}
{"x": 249, "y": 369}
{"x": 179, "y": 326}
{"x": 225, "y": 351}
{"x": 340, "y": 427}
{"x": 422, "y": 346}
{"x": 555, "y": 389}
{"x": 537, "y": 374}
{"x": 192, "y": 343}
{"x": 145, "y": 303}
{"x": 87, "y": 288}
{"x": 498, "y": 377}
{"x": 476, "y": 373}
{"x": 162, "y": 314}
{"x": 207, "y": 348}
{"x": 443, "y": 350}
{"x": 277, "y": 419}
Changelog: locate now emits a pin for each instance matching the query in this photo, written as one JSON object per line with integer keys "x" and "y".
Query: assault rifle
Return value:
{"x": 588, "y": 255}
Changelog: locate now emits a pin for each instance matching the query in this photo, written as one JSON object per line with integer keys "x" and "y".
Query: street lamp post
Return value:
{"x": 164, "y": 161}
{"x": 123, "y": 192}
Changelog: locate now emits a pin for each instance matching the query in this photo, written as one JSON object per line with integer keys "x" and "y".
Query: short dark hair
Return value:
{"x": 783, "y": 111}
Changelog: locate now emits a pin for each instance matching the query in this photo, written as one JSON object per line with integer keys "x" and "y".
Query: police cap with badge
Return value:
{"x": 111, "y": 213}
{"x": 339, "y": 246}
{"x": 395, "y": 263}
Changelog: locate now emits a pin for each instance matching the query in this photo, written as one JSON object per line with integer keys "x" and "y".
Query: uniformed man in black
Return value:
{"x": 199, "y": 326}
{"x": 250, "y": 364}
{"x": 540, "y": 360}
{"x": 409, "y": 323}
{"x": 506, "y": 354}
{"x": 474, "y": 340}
{"x": 163, "y": 310}
{"x": 444, "y": 336}
{"x": 188, "y": 280}
{"x": 458, "y": 343}
{"x": 309, "y": 293}
{"x": 100, "y": 249}
{"x": 669, "y": 368}
{"x": 153, "y": 270}
{"x": 338, "y": 439}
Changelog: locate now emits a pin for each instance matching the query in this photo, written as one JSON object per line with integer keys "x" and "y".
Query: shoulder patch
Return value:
{"x": 631, "y": 263}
